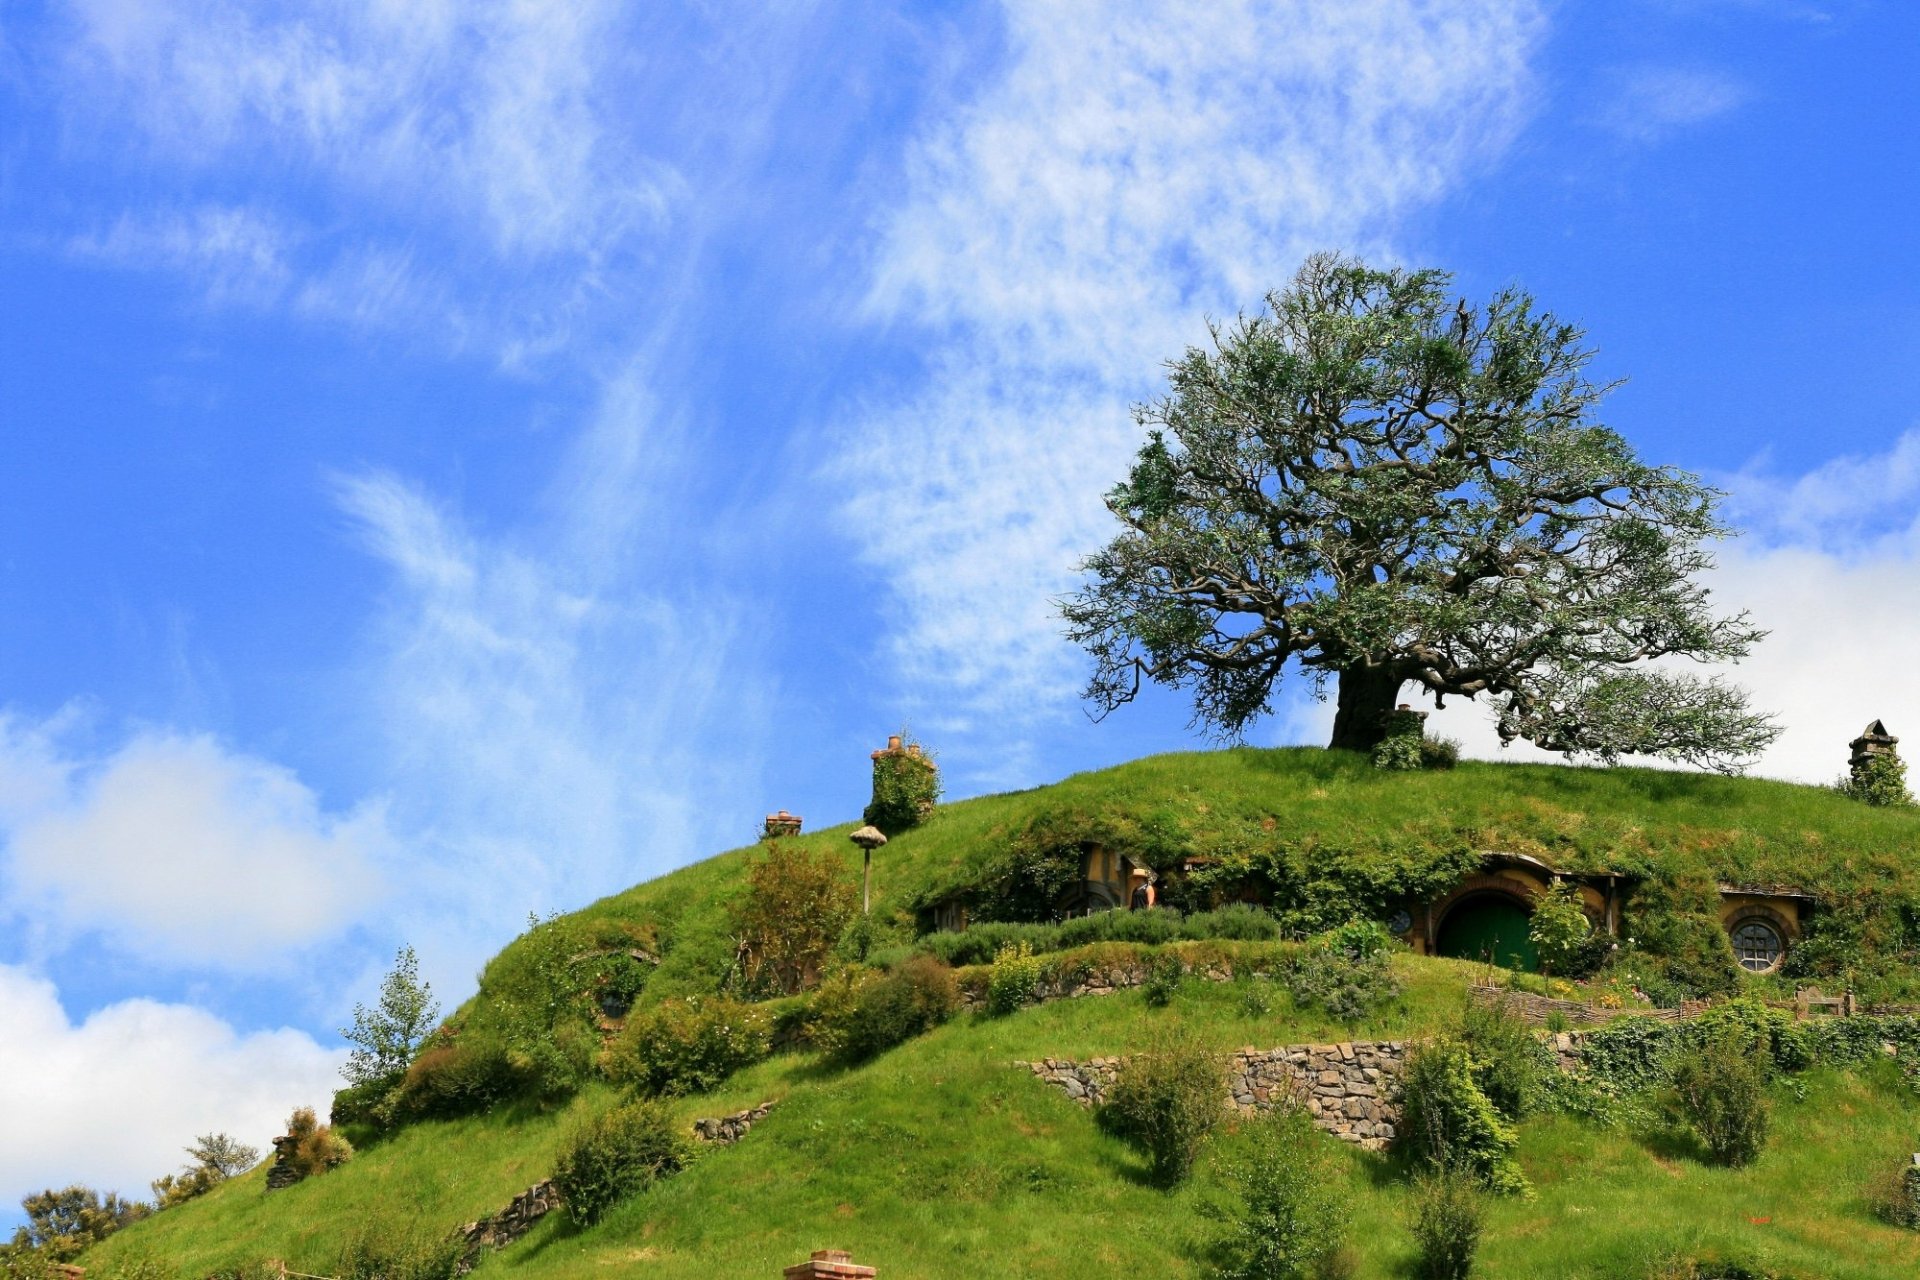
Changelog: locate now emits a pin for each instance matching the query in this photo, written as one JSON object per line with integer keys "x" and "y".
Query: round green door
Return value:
{"x": 1493, "y": 929}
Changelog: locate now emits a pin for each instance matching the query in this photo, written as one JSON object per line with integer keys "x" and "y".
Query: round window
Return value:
{"x": 1757, "y": 945}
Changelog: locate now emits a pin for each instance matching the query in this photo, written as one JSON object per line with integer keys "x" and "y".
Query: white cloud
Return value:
{"x": 111, "y": 1101}
{"x": 554, "y": 730}
{"x": 1133, "y": 168}
{"x": 178, "y": 850}
{"x": 1646, "y": 104}
{"x": 485, "y": 111}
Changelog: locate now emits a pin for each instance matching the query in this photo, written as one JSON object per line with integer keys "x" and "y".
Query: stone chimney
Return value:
{"x": 1874, "y": 741}
{"x": 782, "y": 824}
{"x": 835, "y": 1263}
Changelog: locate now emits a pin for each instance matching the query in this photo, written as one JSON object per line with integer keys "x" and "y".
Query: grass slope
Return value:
{"x": 941, "y": 1160}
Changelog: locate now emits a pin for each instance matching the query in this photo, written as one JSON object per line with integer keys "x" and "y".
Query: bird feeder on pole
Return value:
{"x": 868, "y": 838}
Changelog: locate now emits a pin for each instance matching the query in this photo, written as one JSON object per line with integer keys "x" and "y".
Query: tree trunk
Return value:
{"x": 1366, "y": 695}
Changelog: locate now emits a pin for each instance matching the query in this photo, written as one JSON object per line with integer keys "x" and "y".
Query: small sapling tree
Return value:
{"x": 385, "y": 1037}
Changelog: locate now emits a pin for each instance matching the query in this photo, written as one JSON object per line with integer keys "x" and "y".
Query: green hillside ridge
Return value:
{"x": 941, "y": 1159}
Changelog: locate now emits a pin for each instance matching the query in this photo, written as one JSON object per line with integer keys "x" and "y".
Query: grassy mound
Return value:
{"x": 937, "y": 1158}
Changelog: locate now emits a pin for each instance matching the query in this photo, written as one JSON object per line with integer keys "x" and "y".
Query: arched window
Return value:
{"x": 1758, "y": 946}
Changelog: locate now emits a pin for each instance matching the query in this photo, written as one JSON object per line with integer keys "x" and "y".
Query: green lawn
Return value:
{"x": 942, "y": 1160}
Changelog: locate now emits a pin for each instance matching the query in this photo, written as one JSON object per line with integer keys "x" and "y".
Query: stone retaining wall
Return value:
{"x": 508, "y": 1225}
{"x": 1351, "y": 1089}
{"x": 724, "y": 1131}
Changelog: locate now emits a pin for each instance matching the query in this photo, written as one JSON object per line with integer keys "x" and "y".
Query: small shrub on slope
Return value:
{"x": 617, "y": 1154}
{"x": 1346, "y": 973}
{"x": 1167, "y": 1099}
{"x": 1721, "y": 1092}
{"x": 386, "y": 1251}
{"x": 884, "y": 1010}
{"x": 1015, "y": 979}
{"x": 1447, "y": 1213}
{"x": 689, "y": 1045}
{"x": 316, "y": 1148}
{"x": 1449, "y": 1124}
{"x": 1289, "y": 1218}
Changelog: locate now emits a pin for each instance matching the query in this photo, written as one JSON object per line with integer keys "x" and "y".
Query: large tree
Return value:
{"x": 1379, "y": 484}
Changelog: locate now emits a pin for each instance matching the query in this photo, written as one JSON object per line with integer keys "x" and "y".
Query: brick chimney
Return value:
{"x": 782, "y": 824}
{"x": 836, "y": 1264}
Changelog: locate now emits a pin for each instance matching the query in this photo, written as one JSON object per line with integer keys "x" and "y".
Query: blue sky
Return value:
{"x": 461, "y": 459}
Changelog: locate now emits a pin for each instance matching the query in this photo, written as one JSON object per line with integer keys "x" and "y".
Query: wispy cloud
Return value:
{"x": 1131, "y": 169}
{"x": 551, "y": 726}
{"x": 179, "y": 850}
{"x": 1649, "y": 103}
{"x": 459, "y": 170}
{"x": 115, "y": 1097}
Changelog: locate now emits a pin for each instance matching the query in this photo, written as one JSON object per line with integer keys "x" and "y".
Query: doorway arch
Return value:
{"x": 1490, "y": 926}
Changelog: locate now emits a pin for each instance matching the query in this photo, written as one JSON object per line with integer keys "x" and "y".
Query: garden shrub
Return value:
{"x": 688, "y": 1045}
{"x": 1234, "y": 922}
{"x": 1439, "y": 753}
{"x": 467, "y": 1072}
{"x": 798, "y": 901}
{"x": 1675, "y": 928}
{"x": 1149, "y": 928}
{"x": 888, "y": 1009}
{"x": 1447, "y": 1212}
{"x": 1166, "y": 1100}
{"x": 1162, "y": 980}
{"x": 1510, "y": 1064}
{"x": 1449, "y": 1124}
{"x": 1015, "y": 980}
{"x": 315, "y": 1148}
{"x": 1561, "y": 933}
{"x": 386, "y": 1251}
{"x": 980, "y": 943}
{"x": 1346, "y": 973}
{"x": 617, "y": 1154}
{"x": 1721, "y": 1091}
{"x": 1882, "y": 781}
{"x": 1289, "y": 1217}
{"x": 1894, "y": 1194}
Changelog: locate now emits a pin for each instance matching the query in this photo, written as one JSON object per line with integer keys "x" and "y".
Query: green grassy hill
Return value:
{"x": 940, "y": 1159}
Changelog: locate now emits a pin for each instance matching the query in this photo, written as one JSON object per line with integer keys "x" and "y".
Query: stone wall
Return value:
{"x": 1349, "y": 1088}
{"x": 724, "y": 1131}
{"x": 508, "y": 1225}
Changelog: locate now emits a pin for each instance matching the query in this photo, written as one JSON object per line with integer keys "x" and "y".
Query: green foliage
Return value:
{"x": 1465, "y": 457}
{"x": 1674, "y": 931}
{"x": 689, "y": 1045}
{"x": 1881, "y": 781}
{"x": 617, "y": 1154}
{"x": 216, "y": 1157}
{"x": 1510, "y": 1064}
{"x": 1448, "y": 1219}
{"x": 884, "y": 1010}
{"x": 467, "y": 1071}
{"x": 60, "y": 1224}
{"x": 1288, "y": 1219}
{"x": 384, "y": 1250}
{"x": 1166, "y": 1100}
{"x": 1346, "y": 973}
{"x": 1015, "y": 980}
{"x": 385, "y": 1037}
{"x": 1560, "y": 931}
{"x": 906, "y": 787}
{"x": 797, "y": 902}
{"x": 314, "y": 1148}
{"x": 1721, "y": 1091}
{"x": 1448, "y": 1123}
{"x": 1894, "y": 1194}
{"x": 1162, "y": 980}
